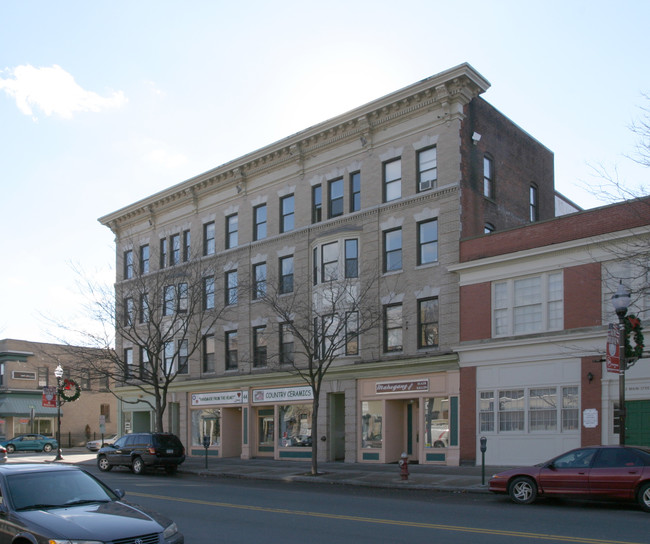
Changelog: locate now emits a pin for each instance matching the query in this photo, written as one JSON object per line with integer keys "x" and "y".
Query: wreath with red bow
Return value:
{"x": 633, "y": 329}
{"x": 67, "y": 386}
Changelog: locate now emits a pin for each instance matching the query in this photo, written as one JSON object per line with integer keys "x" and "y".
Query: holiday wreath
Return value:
{"x": 67, "y": 385}
{"x": 633, "y": 328}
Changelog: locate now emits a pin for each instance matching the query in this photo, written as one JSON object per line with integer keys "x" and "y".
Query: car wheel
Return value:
{"x": 47, "y": 448}
{"x": 103, "y": 464}
{"x": 644, "y": 496}
{"x": 10, "y": 448}
{"x": 138, "y": 466}
{"x": 171, "y": 469}
{"x": 522, "y": 490}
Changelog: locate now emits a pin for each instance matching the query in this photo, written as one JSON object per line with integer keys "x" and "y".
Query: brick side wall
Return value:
{"x": 475, "y": 312}
{"x": 582, "y": 296}
{"x": 591, "y": 398}
{"x": 594, "y": 222}
{"x": 467, "y": 434}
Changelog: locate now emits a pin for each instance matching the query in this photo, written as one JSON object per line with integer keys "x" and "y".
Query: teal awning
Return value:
{"x": 20, "y": 406}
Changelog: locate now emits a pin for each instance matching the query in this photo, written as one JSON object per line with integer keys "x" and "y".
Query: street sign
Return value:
{"x": 613, "y": 349}
{"x": 49, "y": 397}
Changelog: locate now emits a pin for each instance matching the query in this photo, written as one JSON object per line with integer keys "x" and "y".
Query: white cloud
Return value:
{"x": 55, "y": 92}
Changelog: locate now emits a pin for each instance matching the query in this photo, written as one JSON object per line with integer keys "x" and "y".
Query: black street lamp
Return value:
{"x": 58, "y": 372}
{"x": 621, "y": 301}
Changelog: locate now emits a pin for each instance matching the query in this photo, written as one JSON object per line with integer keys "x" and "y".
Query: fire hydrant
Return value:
{"x": 404, "y": 466}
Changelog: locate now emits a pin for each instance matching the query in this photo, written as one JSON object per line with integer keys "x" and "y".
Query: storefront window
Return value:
{"x": 371, "y": 424}
{"x": 436, "y": 417}
{"x": 206, "y": 423}
{"x": 295, "y": 425}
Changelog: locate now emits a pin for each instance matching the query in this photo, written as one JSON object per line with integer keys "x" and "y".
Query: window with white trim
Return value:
{"x": 427, "y": 169}
{"x": 528, "y": 305}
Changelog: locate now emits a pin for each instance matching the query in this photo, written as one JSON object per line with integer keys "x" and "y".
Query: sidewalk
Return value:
{"x": 463, "y": 479}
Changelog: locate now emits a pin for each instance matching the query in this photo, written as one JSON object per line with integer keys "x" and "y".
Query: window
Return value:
{"x": 259, "y": 280}
{"x": 316, "y": 204}
{"x": 163, "y": 252}
{"x": 231, "y": 287}
{"x": 330, "y": 262}
{"x": 315, "y": 266}
{"x": 393, "y": 250}
{"x": 355, "y": 192}
{"x": 105, "y": 410}
{"x": 168, "y": 359}
{"x": 392, "y": 180}
{"x": 175, "y": 255}
{"x": 168, "y": 300}
{"x": 208, "y": 239}
{"x": 259, "y": 215}
{"x": 129, "y": 312}
{"x": 427, "y": 169}
{"x": 528, "y": 305}
{"x": 232, "y": 231}
{"x": 533, "y": 203}
{"x": 393, "y": 327}
{"x": 208, "y": 353}
{"x": 511, "y": 410}
{"x": 128, "y": 364}
{"x": 352, "y": 258}
{"x": 335, "y": 198}
{"x": 259, "y": 346}
{"x": 542, "y": 409}
{"x": 286, "y": 213}
{"x": 488, "y": 228}
{"x": 436, "y": 422}
{"x": 286, "y": 344}
{"x": 486, "y": 411}
{"x": 183, "y": 297}
{"x": 231, "y": 350}
{"x": 43, "y": 375}
{"x": 187, "y": 245}
{"x": 144, "y": 259}
{"x": 128, "y": 264}
{"x": 427, "y": 322}
{"x": 295, "y": 425}
{"x": 145, "y": 371}
{"x": 286, "y": 274}
{"x": 570, "y": 406}
{"x": 428, "y": 242}
{"x": 208, "y": 293}
{"x": 352, "y": 333}
{"x": 488, "y": 177}
{"x": 371, "y": 424}
{"x": 144, "y": 308}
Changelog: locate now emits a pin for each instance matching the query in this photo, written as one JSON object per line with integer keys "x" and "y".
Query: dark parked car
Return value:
{"x": 595, "y": 472}
{"x": 46, "y": 503}
{"x": 143, "y": 450}
{"x": 30, "y": 442}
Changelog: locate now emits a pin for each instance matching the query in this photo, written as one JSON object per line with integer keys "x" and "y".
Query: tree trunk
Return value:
{"x": 314, "y": 436}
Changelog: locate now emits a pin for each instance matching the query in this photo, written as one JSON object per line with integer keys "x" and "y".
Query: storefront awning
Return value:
{"x": 21, "y": 406}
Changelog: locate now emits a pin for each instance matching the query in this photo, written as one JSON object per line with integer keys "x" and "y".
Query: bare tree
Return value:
{"x": 148, "y": 328}
{"x": 317, "y": 324}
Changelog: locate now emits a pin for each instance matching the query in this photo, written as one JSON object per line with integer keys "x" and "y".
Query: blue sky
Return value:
{"x": 104, "y": 103}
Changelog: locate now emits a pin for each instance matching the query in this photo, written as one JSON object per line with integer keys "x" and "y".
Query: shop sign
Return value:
{"x": 402, "y": 386}
{"x": 21, "y": 375}
{"x": 283, "y": 394}
{"x": 220, "y": 397}
{"x": 590, "y": 418}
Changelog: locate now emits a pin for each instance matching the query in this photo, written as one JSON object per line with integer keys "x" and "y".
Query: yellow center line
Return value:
{"x": 455, "y": 528}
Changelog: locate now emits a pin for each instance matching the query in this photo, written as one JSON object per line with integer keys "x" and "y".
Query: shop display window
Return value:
{"x": 206, "y": 422}
{"x": 436, "y": 418}
{"x": 295, "y": 425}
{"x": 371, "y": 424}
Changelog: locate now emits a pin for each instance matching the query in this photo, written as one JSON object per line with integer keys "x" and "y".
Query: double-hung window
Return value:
{"x": 355, "y": 191}
{"x": 286, "y": 344}
{"x": 259, "y": 228}
{"x": 528, "y": 305}
{"x": 144, "y": 259}
{"x": 128, "y": 264}
{"x": 164, "y": 250}
{"x": 392, "y": 328}
{"x": 183, "y": 358}
{"x": 169, "y": 298}
{"x": 129, "y": 370}
{"x": 129, "y": 312}
{"x": 488, "y": 177}
{"x": 352, "y": 258}
{"x": 183, "y": 297}
{"x": 392, "y": 180}
{"x": 428, "y": 241}
{"x": 286, "y": 274}
{"x": 209, "y": 246}
{"x": 259, "y": 346}
{"x": 428, "y": 322}
{"x": 232, "y": 231}
{"x": 335, "y": 198}
{"x": 427, "y": 169}
{"x": 187, "y": 245}
{"x": 208, "y": 353}
{"x": 352, "y": 333}
{"x": 144, "y": 308}
{"x": 231, "y": 287}
{"x": 330, "y": 262}
{"x": 175, "y": 255}
{"x": 208, "y": 293}
{"x": 533, "y": 204}
{"x": 287, "y": 209}
{"x": 393, "y": 250}
{"x": 259, "y": 280}
{"x": 169, "y": 356}
{"x": 231, "y": 350}
{"x": 316, "y": 204}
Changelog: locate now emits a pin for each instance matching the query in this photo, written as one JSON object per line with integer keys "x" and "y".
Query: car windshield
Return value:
{"x": 53, "y": 489}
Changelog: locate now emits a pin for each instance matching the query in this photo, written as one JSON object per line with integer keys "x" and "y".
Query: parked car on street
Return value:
{"x": 3, "y": 454}
{"x": 96, "y": 445}
{"x": 30, "y": 442}
{"x": 45, "y": 503}
{"x": 139, "y": 451}
{"x": 597, "y": 472}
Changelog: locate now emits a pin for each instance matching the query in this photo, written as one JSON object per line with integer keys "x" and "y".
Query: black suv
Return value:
{"x": 141, "y": 450}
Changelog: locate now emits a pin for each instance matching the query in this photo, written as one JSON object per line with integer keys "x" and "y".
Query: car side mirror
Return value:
{"x": 551, "y": 466}
{"x": 119, "y": 492}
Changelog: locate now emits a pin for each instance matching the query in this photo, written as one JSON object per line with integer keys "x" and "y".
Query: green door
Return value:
{"x": 638, "y": 423}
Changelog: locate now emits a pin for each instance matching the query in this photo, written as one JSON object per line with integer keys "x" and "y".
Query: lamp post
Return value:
{"x": 621, "y": 301}
{"x": 58, "y": 372}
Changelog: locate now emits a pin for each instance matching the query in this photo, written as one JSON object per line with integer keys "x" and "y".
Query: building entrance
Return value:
{"x": 265, "y": 432}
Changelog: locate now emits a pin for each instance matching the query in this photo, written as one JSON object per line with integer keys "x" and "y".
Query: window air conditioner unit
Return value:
{"x": 427, "y": 184}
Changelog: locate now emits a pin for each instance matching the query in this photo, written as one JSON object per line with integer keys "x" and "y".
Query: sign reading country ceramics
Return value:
{"x": 405, "y": 386}
{"x": 219, "y": 397}
{"x": 284, "y": 394}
